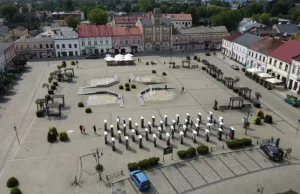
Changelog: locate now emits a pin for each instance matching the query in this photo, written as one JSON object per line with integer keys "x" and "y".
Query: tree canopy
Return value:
{"x": 98, "y": 16}
{"x": 72, "y": 21}
{"x": 8, "y": 11}
{"x": 229, "y": 18}
{"x": 146, "y": 5}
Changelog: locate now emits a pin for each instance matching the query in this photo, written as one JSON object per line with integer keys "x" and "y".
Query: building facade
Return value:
{"x": 35, "y": 47}
{"x": 95, "y": 39}
{"x": 227, "y": 44}
{"x": 294, "y": 84}
{"x": 126, "y": 40}
{"x": 179, "y": 20}
{"x": 63, "y": 14}
{"x": 18, "y": 32}
{"x": 156, "y": 32}
{"x": 7, "y": 55}
{"x": 66, "y": 43}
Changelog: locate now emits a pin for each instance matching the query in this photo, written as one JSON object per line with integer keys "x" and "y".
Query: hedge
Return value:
{"x": 260, "y": 114}
{"x": 88, "y": 110}
{"x": 203, "y": 68}
{"x": 121, "y": 87}
{"x": 268, "y": 119}
{"x": 12, "y": 182}
{"x": 143, "y": 164}
{"x": 239, "y": 143}
{"x": 153, "y": 71}
{"x": 133, "y": 86}
{"x": 257, "y": 120}
{"x": 52, "y": 135}
{"x": 188, "y": 58}
{"x": 127, "y": 85}
{"x": 15, "y": 190}
{"x": 190, "y": 152}
{"x": 128, "y": 89}
{"x": 164, "y": 73}
{"x": 202, "y": 150}
{"x": 80, "y": 104}
{"x": 63, "y": 136}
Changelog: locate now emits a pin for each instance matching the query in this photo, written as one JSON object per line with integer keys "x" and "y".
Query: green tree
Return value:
{"x": 146, "y": 5}
{"x": 254, "y": 8}
{"x": 264, "y": 18}
{"x": 72, "y": 21}
{"x": 9, "y": 10}
{"x": 127, "y": 7}
{"x": 68, "y": 5}
{"x": 98, "y": 16}
{"x": 25, "y": 9}
{"x": 280, "y": 7}
{"x": 230, "y": 19}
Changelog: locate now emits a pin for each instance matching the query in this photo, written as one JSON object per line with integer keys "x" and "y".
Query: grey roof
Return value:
{"x": 287, "y": 28}
{"x": 201, "y": 29}
{"x": 4, "y": 46}
{"x": 65, "y": 35}
{"x": 247, "y": 39}
{"x": 148, "y": 21}
{"x": 35, "y": 40}
{"x": 245, "y": 26}
{"x": 4, "y": 30}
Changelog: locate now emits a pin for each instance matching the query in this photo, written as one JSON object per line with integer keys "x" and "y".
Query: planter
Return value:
{"x": 53, "y": 87}
{"x": 256, "y": 104}
{"x": 55, "y": 83}
{"x": 50, "y": 92}
{"x": 40, "y": 113}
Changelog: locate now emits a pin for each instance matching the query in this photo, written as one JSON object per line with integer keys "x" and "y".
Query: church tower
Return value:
{"x": 156, "y": 17}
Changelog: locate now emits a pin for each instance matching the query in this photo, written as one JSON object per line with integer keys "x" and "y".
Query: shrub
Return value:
{"x": 12, "y": 182}
{"x": 63, "y": 64}
{"x": 88, "y": 110}
{"x": 143, "y": 164}
{"x": 257, "y": 120}
{"x": 235, "y": 90}
{"x": 195, "y": 57}
{"x": 133, "y": 86}
{"x": 63, "y": 136}
{"x": 80, "y": 104}
{"x": 128, "y": 89}
{"x": 127, "y": 85}
{"x": 198, "y": 60}
{"x": 73, "y": 63}
{"x": 15, "y": 190}
{"x": 52, "y": 135}
{"x": 203, "y": 68}
{"x": 153, "y": 71}
{"x": 188, "y": 58}
{"x": 147, "y": 63}
{"x": 53, "y": 87}
{"x": 238, "y": 143}
{"x": 260, "y": 114}
{"x": 11, "y": 75}
{"x": 243, "y": 69}
{"x": 133, "y": 166}
{"x": 164, "y": 73}
{"x": 268, "y": 119}
{"x": 190, "y": 152}
{"x": 121, "y": 87}
{"x": 202, "y": 150}
{"x": 182, "y": 154}
{"x": 99, "y": 167}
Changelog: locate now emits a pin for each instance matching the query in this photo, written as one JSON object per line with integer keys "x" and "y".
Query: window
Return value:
{"x": 83, "y": 43}
{"x": 21, "y": 46}
{"x": 139, "y": 41}
{"x": 51, "y": 45}
{"x": 27, "y": 46}
{"x": 106, "y": 41}
{"x": 41, "y": 46}
{"x": 101, "y": 41}
{"x": 293, "y": 69}
{"x": 47, "y": 46}
{"x": 270, "y": 61}
{"x": 256, "y": 56}
{"x": 298, "y": 72}
{"x": 121, "y": 41}
{"x": 57, "y": 46}
{"x": 286, "y": 67}
{"x": 89, "y": 42}
{"x": 280, "y": 65}
{"x": 263, "y": 59}
{"x": 157, "y": 30}
{"x": 249, "y": 52}
{"x": 75, "y": 46}
{"x": 17, "y": 47}
{"x": 275, "y": 63}
{"x": 70, "y": 45}
{"x": 126, "y": 41}
{"x": 63, "y": 45}
{"x": 34, "y": 46}
{"x": 157, "y": 38}
{"x": 260, "y": 57}
{"x": 95, "y": 42}
{"x": 133, "y": 41}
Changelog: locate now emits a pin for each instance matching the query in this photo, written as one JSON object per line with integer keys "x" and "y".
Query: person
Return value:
{"x": 94, "y": 127}
{"x": 83, "y": 128}
{"x": 290, "y": 150}
{"x": 80, "y": 127}
{"x": 182, "y": 89}
{"x": 129, "y": 80}
{"x": 192, "y": 123}
{"x": 226, "y": 134}
{"x": 166, "y": 87}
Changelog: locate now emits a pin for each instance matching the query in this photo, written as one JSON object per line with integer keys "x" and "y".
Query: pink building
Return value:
{"x": 7, "y": 56}
{"x": 126, "y": 40}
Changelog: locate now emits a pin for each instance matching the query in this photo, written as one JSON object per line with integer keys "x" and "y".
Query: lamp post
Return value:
{"x": 15, "y": 128}
{"x": 298, "y": 126}
{"x": 171, "y": 53}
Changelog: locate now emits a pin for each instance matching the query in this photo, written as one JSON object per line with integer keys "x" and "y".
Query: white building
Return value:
{"x": 294, "y": 84}
{"x": 66, "y": 43}
{"x": 95, "y": 39}
{"x": 63, "y": 14}
{"x": 227, "y": 44}
{"x": 259, "y": 51}
{"x": 179, "y": 20}
{"x": 241, "y": 45}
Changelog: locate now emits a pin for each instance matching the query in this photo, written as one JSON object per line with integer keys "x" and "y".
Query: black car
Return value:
{"x": 92, "y": 56}
{"x": 272, "y": 152}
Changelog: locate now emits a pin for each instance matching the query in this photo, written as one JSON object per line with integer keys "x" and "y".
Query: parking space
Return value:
{"x": 186, "y": 176}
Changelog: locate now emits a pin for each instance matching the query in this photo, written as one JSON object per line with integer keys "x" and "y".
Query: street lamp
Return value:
{"x": 298, "y": 126}
{"x": 15, "y": 128}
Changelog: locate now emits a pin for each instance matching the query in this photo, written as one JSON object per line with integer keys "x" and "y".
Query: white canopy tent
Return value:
{"x": 264, "y": 75}
{"x": 109, "y": 58}
{"x": 128, "y": 54}
{"x": 273, "y": 81}
{"x": 254, "y": 70}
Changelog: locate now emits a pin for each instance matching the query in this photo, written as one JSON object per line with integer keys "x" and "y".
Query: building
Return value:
{"x": 179, "y": 20}
{"x": 126, "y": 40}
{"x": 156, "y": 32}
{"x": 4, "y": 34}
{"x": 294, "y": 84}
{"x": 63, "y": 14}
{"x": 247, "y": 24}
{"x": 66, "y": 43}
{"x": 290, "y": 29}
{"x": 241, "y": 45}
{"x": 95, "y": 39}
{"x": 125, "y": 21}
{"x": 41, "y": 47}
{"x": 7, "y": 55}
{"x": 263, "y": 31}
{"x": 198, "y": 38}
{"x": 280, "y": 62}
{"x": 259, "y": 52}
{"x": 227, "y": 44}
{"x": 18, "y": 32}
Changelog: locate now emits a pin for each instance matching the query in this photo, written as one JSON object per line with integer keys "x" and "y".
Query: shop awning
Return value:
{"x": 264, "y": 75}
{"x": 273, "y": 80}
{"x": 254, "y": 70}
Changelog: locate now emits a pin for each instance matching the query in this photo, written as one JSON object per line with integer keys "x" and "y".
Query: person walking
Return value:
{"x": 94, "y": 127}
{"x": 129, "y": 80}
{"x": 182, "y": 90}
{"x": 83, "y": 128}
{"x": 80, "y": 127}
{"x": 124, "y": 120}
{"x": 226, "y": 134}
{"x": 192, "y": 123}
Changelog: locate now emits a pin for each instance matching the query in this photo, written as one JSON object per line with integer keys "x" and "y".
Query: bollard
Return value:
{"x": 146, "y": 134}
{"x": 168, "y": 139}
{"x": 149, "y": 127}
{"x": 184, "y": 130}
{"x": 132, "y": 135}
{"x": 112, "y": 131}
{"x": 207, "y": 135}
{"x": 162, "y": 125}
{"x": 199, "y": 116}
{"x": 142, "y": 122}
{"x": 198, "y": 121}
{"x": 136, "y": 129}
{"x": 174, "y": 124}
{"x": 154, "y": 140}
{"x": 208, "y": 120}
{"x": 166, "y": 120}
{"x": 141, "y": 141}
{"x": 127, "y": 142}
{"x": 208, "y": 126}
{"x": 211, "y": 115}
{"x": 197, "y": 129}
{"x": 153, "y": 121}
{"x": 113, "y": 144}
{"x": 231, "y": 133}
{"x": 181, "y": 137}
{"x": 221, "y": 119}
{"x": 124, "y": 120}
{"x": 172, "y": 131}
{"x": 220, "y": 134}
{"x": 124, "y": 129}
{"x": 186, "y": 122}
{"x": 118, "y": 122}
{"x": 105, "y": 125}
{"x": 130, "y": 123}
{"x": 188, "y": 117}
{"x": 159, "y": 133}
{"x": 221, "y": 125}
{"x": 119, "y": 136}
{"x": 194, "y": 136}
{"x": 177, "y": 119}
{"x": 105, "y": 137}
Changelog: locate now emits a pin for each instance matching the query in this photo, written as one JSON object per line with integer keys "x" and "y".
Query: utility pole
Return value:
{"x": 15, "y": 128}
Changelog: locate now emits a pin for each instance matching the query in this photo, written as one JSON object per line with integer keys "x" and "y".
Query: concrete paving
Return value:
{"x": 50, "y": 168}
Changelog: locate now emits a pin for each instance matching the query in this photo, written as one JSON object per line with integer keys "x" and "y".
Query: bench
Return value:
{"x": 222, "y": 107}
{"x": 247, "y": 105}
{"x": 194, "y": 66}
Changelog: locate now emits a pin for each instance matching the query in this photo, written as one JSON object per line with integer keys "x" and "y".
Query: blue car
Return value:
{"x": 140, "y": 179}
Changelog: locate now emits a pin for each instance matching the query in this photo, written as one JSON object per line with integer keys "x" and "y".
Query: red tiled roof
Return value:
{"x": 266, "y": 45}
{"x": 85, "y": 31}
{"x": 233, "y": 36}
{"x": 297, "y": 58}
{"x": 126, "y": 19}
{"x": 178, "y": 17}
{"x": 287, "y": 51}
{"x": 123, "y": 31}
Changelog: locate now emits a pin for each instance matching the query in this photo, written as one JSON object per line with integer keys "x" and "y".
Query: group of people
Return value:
{"x": 83, "y": 129}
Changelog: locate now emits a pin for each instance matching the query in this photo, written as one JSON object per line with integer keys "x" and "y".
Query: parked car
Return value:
{"x": 272, "y": 152}
{"x": 140, "y": 179}
{"x": 235, "y": 67}
{"x": 207, "y": 54}
{"x": 292, "y": 101}
{"x": 92, "y": 56}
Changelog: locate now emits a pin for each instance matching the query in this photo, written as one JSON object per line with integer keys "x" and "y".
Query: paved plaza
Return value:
{"x": 42, "y": 167}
